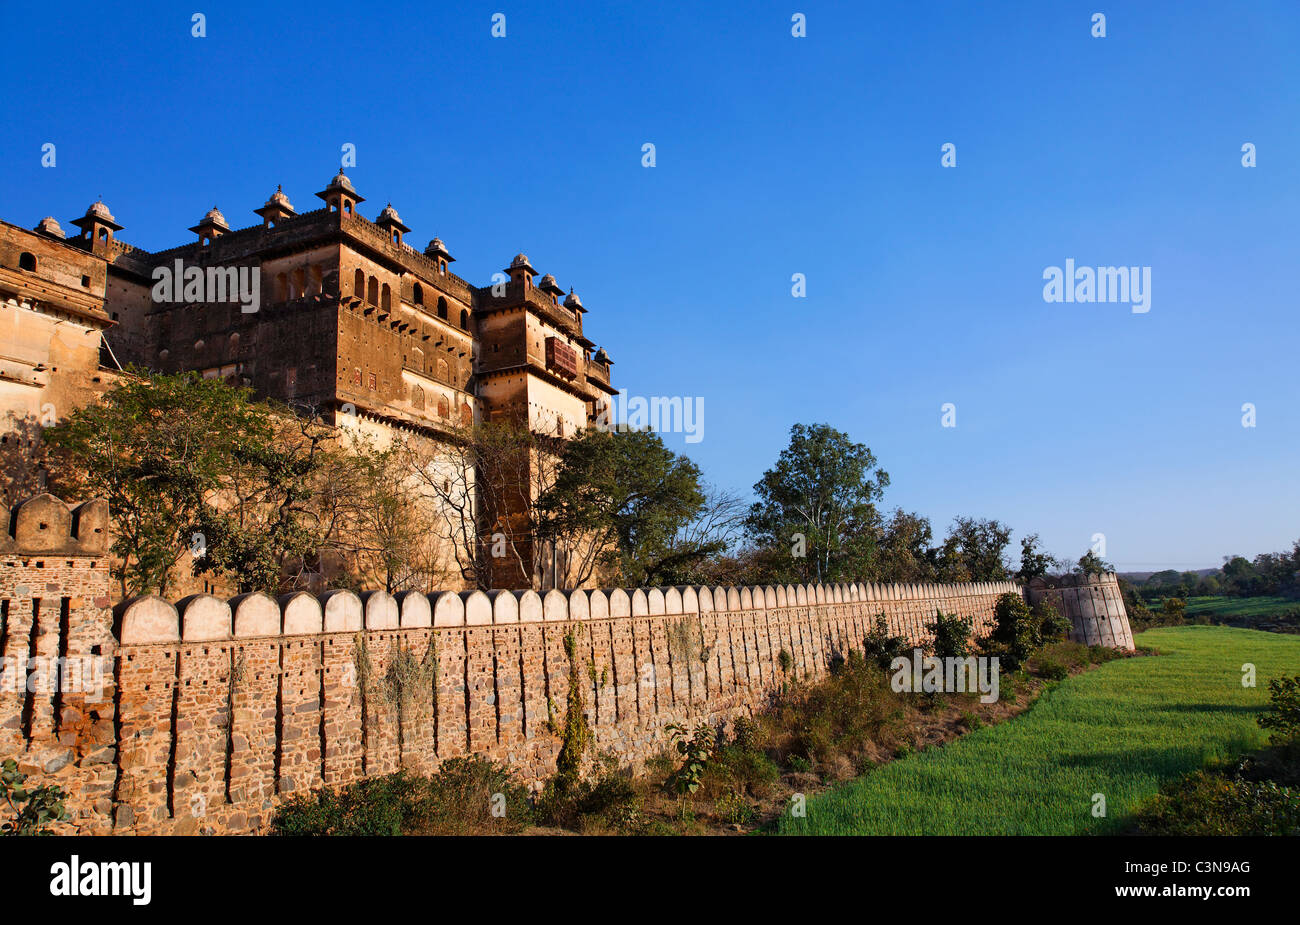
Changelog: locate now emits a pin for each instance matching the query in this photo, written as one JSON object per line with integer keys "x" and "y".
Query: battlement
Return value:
{"x": 149, "y": 619}
{"x": 44, "y": 525}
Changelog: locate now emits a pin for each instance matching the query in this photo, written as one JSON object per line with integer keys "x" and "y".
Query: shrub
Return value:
{"x": 374, "y": 806}
{"x": 842, "y": 715}
{"x": 1016, "y": 632}
{"x": 1211, "y": 803}
{"x": 468, "y": 795}
{"x": 880, "y": 648}
{"x": 34, "y": 809}
{"x": 1054, "y": 626}
{"x": 952, "y": 635}
{"x": 739, "y": 770}
{"x": 696, "y": 748}
{"x": 608, "y": 799}
{"x": 1283, "y": 713}
{"x": 1051, "y": 669}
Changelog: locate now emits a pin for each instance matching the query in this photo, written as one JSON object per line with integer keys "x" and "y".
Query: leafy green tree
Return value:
{"x": 975, "y": 551}
{"x": 155, "y": 448}
{"x": 1035, "y": 562}
{"x": 195, "y": 465}
{"x": 621, "y": 499}
{"x": 1092, "y": 564}
{"x": 905, "y": 550}
{"x": 818, "y": 501}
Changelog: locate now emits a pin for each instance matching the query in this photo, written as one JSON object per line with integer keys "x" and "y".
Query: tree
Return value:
{"x": 263, "y": 514}
{"x": 155, "y": 448}
{"x": 1092, "y": 564}
{"x": 620, "y": 500}
{"x": 975, "y": 551}
{"x": 906, "y": 553}
{"x": 1035, "y": 562}
{"x": 692, "y": 554}
{"x": 819, "y": 502}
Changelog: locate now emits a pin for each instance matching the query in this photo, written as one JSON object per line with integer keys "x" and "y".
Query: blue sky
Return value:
{"x": 778, "y": 155}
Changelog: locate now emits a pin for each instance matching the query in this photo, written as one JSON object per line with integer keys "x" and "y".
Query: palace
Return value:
{"x": 344, "y": 318}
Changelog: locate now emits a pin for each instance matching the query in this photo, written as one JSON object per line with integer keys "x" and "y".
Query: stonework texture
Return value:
{"x": 213, "y": 710}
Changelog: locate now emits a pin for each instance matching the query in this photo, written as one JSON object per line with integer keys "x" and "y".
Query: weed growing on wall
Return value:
{"x": 576, "y": 735}
{"x": 34, "y": 809}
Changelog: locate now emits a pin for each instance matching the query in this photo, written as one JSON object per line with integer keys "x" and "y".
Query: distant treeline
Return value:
{"x": 1268, "y": 573}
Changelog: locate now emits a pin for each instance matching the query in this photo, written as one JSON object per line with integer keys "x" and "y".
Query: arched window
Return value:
{"x": 444, "y": 407}
{"x": 442, "y": 308}
{"x": 417, "y": 398}
{"x": 419, "y": 294}
{"x": 466, "y": 415}
{"x": 317, "y": 280}
{"x": 442, "y": 369}
{"x": 281, "y": 287}
{"x": 26, "y": 261}
{"x": 372, "y": 294}
{"x": 359, "y": 284}
{"x": 464, "y": 319}
{"x": 298, "y": 284}
{"x": 386, "y": 302}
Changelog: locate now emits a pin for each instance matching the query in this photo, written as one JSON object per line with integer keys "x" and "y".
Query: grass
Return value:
{"x": 1121, "y": 730}
{"x": 1253, "y": 608}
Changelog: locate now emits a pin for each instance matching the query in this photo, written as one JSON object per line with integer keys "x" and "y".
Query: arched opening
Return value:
{"x": 464, "y": 319}
{"x": 359, "y": 284}
{"x": 417, "y": 398}
{"x": 26, "y": 261}
{"x": 442, "y": 308}
{"x": 372, "y": 293}
{"x": 298, "y": 284}
{"x": 317, "y": 280}
{"x": 419, "y": 294}
{"x": 442, "y": 369}
{"x": 281, "y": 288}
{"x": 387, "y": 299}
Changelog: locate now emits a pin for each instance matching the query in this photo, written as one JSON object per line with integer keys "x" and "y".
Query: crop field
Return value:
{"x": 1120, "y": 730}
{"x": 1246, "y": 608}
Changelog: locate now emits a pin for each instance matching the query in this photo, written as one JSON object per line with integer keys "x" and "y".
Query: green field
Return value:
{"x": 1121, "y": 730}
{"x": 1246, "y": 608}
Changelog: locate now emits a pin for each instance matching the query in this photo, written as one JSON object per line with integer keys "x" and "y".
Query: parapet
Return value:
{"x": 44, "y": 525}
{"x": 203, "y": 618}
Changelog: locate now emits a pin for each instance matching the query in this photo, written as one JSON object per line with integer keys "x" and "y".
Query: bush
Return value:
{"x": 952, "y": 635}
{"x": 1019, "y": 631}
{"x": 468, "y": 795}
{"x": 840, "y": 716}
{"x": 607, "y": 799}
{"x": 1211, "y": 803}
{"x": 1051, "y": 669}
{"x": 880, "y": 648}
{"x": 375, "y": 806}
{"x": 1283, "y": 713}
{"x": 1016, "y": 633}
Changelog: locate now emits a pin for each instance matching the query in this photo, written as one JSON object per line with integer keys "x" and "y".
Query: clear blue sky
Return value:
{"x": 778, "y": 155}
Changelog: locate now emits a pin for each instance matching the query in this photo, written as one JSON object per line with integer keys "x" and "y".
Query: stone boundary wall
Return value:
{"x": 212, "y": 710}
